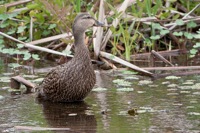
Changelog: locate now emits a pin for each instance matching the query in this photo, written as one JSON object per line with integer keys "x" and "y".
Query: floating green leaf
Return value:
{"x": 3, "y": 17}
{"x": 21, "y": 29}
{"x": 191, "y": 24}
{"x": 179, "y": 22}
{"x": 129, "y": 72}
{"x": 22, "y": 38}
{"x": 197, "y": 45}
{"x": 164, "y": 32}
{"x": 11, "y": 31}
{"x": 156, "y": 26}
{"x": 27, "y": 56}
{"x": 14, "y": 65}
{"x": 67, "y": 52}
{"x": 35, "y": 56}
{"x": 188, "y": 35}
{"x": 20, "y": 45}
{"x": 156, "y": 37}
{"x": 193, "y": 51}
{"x": 51, "y": 26}
{"x": 178, "y": 33}
{"x": 3, "y": 25}
{"x": 196, "y": 36}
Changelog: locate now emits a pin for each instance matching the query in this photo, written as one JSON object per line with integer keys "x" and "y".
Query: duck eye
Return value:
{"x": 87, "y": 17}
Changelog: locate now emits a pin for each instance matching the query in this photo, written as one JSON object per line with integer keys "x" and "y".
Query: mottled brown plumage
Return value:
{"x": 73, "y": 80}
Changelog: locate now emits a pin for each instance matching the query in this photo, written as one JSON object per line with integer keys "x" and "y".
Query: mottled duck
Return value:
{"x": 72, "y": 81}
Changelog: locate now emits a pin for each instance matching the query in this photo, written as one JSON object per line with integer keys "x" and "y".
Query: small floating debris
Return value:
{"x": 141, "y": 92}
{"x": 172, "y": 77}
{"x": 72, "y": 114}
{"x": 1, "y": 97}
{"x": 172, "y": 94}
{"x": 99, "y": 89}
{"x": 132, "y": 112}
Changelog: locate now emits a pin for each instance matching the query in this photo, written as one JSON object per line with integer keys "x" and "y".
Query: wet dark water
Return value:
{"x": 162, "y": 106}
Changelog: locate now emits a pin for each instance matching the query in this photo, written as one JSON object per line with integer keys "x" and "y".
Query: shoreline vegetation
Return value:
{"x": 146, "y": 30}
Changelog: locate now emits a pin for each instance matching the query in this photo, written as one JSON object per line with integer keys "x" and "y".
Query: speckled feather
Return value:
{"x": 74, "y": 80}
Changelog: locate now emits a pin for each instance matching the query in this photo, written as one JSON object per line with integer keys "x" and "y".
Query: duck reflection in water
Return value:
{"x": 69, "y": 115}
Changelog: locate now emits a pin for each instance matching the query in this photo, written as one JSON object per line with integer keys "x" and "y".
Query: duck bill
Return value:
{"x": 98, "y": 24}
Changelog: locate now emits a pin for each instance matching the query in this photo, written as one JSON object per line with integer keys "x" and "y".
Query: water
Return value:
{"x": 157, "y": 106}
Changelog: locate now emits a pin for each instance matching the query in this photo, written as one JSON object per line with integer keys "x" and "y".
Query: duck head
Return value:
{"x": 83, "y": 21}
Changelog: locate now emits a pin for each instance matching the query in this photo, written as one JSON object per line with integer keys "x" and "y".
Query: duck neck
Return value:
{"x": 81, "y": 51}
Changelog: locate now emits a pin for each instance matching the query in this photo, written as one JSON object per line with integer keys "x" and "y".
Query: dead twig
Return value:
{"x": 125, "y": 63}
{"x": 161, "y": 57}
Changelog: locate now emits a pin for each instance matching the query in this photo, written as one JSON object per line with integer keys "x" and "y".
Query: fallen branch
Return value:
{"x": 171, "y": 68}
{"x": 125, "y": 63}
{"x": 30, "y": 128}
{"x": 161, "y": 57}
{"x": 17, "y": 3}
{"x": 52, "y": 38}
{"x": 175, "y": 52}
{"x": 27, "y": 45}
{"x": 176, "y": 74}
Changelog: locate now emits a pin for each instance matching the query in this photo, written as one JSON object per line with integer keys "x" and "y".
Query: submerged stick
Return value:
{"x": 125, "y": 63}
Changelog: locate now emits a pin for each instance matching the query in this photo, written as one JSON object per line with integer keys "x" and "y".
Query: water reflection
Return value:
{"x": 75, "y": 116}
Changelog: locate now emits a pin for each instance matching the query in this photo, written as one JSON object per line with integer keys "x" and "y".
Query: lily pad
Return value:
{"x": 172, "y": 85}
{"x": 131, "y": 78}
{"x": 184, "y": 92}
{"x": 188, "y": 83}
{"x": 145, "y": 82}
{"x": 196, "y": 93}
{"x": 194, "y": 113}
{"x": 129, "y": 72}
{"x": 172, "y": 77}
{"x": 141, "y": 92}
{"x": 99, "y": 89}
{"x": 153, "y": 86}
{"x": 125, "y": 89}
{"x": 185, "y": 87}
{"x": 122, "y": 82}
{"x": 167, "y": 82}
